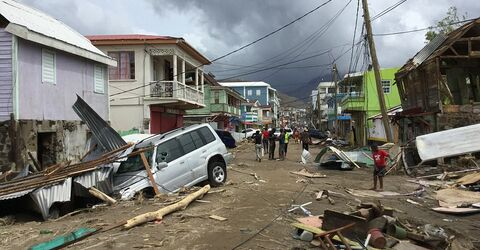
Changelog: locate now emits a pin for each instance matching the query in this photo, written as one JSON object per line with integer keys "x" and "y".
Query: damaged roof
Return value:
{"x": 437, "y": 47}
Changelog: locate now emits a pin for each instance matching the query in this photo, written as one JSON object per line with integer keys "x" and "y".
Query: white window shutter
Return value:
{"x": 99, "y": 79}
{"x": 48, "y": 67}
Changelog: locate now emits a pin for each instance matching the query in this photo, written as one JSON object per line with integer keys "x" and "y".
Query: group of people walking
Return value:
{"x": 267, "y": 140}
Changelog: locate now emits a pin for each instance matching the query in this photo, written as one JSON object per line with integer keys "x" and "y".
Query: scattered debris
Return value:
{"x": 305, "y": 173}
{"x": 302, "y": 207}
{"x": 216, "y": 217}
{"x": 414, "y": 202}
{"x": 65, "y": 240}
{"x": 102, "y": 196}
{"x": 158, "y": 215}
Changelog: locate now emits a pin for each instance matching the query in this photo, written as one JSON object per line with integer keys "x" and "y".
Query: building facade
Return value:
{"x": 265, "y": 95}
{"x": 157, "y": 79}
{"x": 44, "y": 65}
{"x": 440, "y": 85}
{"x": 222, "y": 107}
{"x": 325, "y": 90}
{"x": 359, "y": 101}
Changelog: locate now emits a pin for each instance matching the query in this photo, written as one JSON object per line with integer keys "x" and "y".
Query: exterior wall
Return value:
{"x": 391, "y": 100}
{"x": 44, "y": 101}
{"x": 262, "y": 98}
{"x": 6, "y": 75}
{"x": 127, "y": 117}
{"x": 133, "y": 102}
{"x": 20, "y": 137}
{"x": 208, "y": 100}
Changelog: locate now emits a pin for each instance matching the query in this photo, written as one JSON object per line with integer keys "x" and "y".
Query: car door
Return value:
{"x": 177, "y": 173}
{"x": 199, "y": 162}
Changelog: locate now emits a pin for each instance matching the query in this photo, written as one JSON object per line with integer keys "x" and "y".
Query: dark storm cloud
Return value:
{"x": 231, "y": 24}
{"x": 216, "y": 27}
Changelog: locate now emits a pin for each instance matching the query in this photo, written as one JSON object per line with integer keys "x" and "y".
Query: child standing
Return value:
{"x": 380, "y": 166}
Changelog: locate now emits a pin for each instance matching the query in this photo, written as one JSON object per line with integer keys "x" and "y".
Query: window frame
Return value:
{"x": 168, "y": 141}
{"x": 258, "y": 92}
{"x": 54, "y": 69}
{"x": 249, "y": 92}
{"x": 131, "y": 56}
{"x": 104, "y": 80}
{"x": 384, "y": 87}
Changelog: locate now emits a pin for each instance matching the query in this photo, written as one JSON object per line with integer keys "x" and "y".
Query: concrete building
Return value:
{"x": 222, "y": 107}
{"x": 264, "y": 94}
{"x": 44, "y": 65}
{"x": 157, "y": 79}
{"x": 325, "y": 90}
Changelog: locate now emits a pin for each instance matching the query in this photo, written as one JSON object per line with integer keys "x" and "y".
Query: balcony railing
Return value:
{"x": 353, "y": 95}
{"x": 223, "y": 107}
{"x": 175, "y": 90}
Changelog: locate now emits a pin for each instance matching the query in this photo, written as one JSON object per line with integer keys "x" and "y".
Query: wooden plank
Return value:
{"x": 149, "y": 173}
{"x": 35, "y": 162}
{"x": 216, "y": 217}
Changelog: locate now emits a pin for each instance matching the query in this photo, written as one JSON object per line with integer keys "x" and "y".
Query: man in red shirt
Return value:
{"x": 380, "y": 166}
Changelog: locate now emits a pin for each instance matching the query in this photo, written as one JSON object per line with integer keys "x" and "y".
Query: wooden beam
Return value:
{"x": 454, "y": 57}
{"x": 36, "y": 164}
{"x": 453, "y": 50}
{"x": 149, "y": 173}
{"x": 101, "y": 195}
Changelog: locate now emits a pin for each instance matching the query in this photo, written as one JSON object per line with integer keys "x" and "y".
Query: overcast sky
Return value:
{"x": 216, "y": 27}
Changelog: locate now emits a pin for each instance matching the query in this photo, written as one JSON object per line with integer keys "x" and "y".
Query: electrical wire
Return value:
{"x": 421, "y": 29}
{"x": 306, "y": 43}
{"x": 385, "y": 11}
{"x": 242, "y": 47}
{"x": 273, "y": 220}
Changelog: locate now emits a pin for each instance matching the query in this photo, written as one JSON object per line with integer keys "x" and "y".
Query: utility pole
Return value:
{"x": 335, "y": 108}
{"x": 319, "y": 108}
{"x": 376, "y": 69}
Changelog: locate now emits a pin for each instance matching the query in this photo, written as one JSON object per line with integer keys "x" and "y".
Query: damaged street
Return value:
{"x": 249, "y": 212}
{"x": 240, "y": 124}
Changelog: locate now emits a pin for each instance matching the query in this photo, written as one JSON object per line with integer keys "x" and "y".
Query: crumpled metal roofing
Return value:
{"x": 16, "y": 195}
{"x": 106, "y": 136}
{"x": 101, "y": 178}
{"x": 46, "y": 196}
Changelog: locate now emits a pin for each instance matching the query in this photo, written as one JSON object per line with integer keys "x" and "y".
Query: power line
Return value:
{"x": 242, "y": 47}
{"x": 273, "y": 32}
{"x": 385, "y": 11}
{"x": 354, "y": 33}
{"x": 307, "y": 42}
{"x": 422, "y": 29}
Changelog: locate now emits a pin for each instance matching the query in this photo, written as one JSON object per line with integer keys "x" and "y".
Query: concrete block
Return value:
{"x": 466, "y": 108}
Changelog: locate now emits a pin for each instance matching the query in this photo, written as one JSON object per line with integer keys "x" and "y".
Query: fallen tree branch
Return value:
{"x": 158, "y": 215}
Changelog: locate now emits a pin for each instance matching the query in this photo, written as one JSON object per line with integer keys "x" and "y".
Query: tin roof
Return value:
{"x": 34, "y": 25}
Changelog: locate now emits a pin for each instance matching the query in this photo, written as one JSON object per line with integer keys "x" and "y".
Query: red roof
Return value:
{"x": 129, "y": 37}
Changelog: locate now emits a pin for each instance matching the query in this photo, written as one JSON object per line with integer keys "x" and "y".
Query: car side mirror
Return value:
{"x": 162, "y": 165}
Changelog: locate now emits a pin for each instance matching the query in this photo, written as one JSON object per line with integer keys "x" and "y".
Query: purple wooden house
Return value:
{"x": 44, "y": 64}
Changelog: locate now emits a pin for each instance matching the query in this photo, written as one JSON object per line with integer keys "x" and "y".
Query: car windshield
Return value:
{"x": 134, "y": 163}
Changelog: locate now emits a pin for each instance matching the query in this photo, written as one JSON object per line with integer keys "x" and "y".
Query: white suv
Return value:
{"x": 179, "y": 158}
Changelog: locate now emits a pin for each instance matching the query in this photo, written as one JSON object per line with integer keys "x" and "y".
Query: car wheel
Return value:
{"x": 217, "y": 173}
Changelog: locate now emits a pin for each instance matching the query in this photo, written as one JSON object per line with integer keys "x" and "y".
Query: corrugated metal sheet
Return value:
{"x": 5, "y": 75}
{"x": 16, "y": 195}
{"x": 101, "y": 178}
{"x": 44, "y": 197}
{"x": 424, "y": 53}
{"x": 452, "y": 142}
{"x": 106, "y": 136}
{"x": 44, "y": 24}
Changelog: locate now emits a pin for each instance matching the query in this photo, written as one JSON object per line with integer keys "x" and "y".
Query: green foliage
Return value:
{"x": 446, "y": 25}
